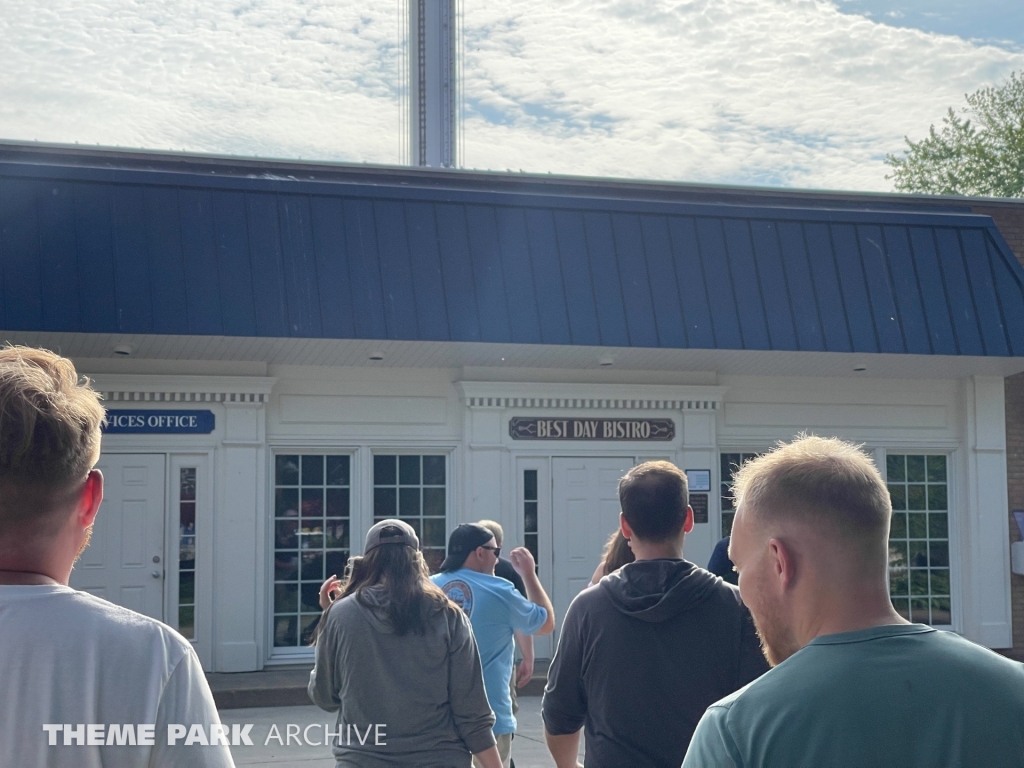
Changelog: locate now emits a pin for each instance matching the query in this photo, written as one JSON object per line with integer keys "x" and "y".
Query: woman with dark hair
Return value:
{"x": 616, "y": 554}
{"x": 397, "y": 660}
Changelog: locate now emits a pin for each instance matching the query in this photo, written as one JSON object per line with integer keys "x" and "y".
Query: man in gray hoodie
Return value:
{"x": 644, "y": 652}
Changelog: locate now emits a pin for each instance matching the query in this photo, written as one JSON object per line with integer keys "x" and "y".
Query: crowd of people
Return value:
{"x": 658, "y": 663}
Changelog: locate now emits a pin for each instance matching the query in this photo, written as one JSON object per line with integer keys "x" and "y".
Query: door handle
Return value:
{"x": 157, "y": 574}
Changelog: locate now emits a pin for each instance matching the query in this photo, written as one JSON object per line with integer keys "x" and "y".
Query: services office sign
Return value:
{"x": 535, "y": 428}
{"x": 153, "y": 422}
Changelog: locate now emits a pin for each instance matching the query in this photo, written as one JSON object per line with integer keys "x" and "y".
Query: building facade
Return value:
{"x": 291, "y": 351}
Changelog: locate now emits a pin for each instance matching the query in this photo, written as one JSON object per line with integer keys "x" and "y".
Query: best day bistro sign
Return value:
{"x": 532, "y": 428}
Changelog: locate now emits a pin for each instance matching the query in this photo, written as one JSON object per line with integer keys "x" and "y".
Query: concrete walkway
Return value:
{"x": 528, "y": 749}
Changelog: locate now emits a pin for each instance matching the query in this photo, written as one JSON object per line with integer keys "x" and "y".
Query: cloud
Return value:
{"x": 272, "y": 78}
{"x": 776, "y": 92}
{"x": 788, "y": 92}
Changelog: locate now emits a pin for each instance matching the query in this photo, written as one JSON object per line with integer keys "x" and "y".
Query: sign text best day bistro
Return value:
{"x": 534, "y": 428}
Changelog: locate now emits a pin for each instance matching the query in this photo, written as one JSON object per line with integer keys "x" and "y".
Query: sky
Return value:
{"x": 790, "y": 93}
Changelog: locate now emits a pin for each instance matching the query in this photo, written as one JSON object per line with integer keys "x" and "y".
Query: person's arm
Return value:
{"x": 564, "y": 706}
{"x": 523, "y": 562}
{"x": 187, "y": 699}
{"x": 525, "y": 672}
{"x": 471, "y": 712}
{"x": 563, "y": 748}
{"x": 321, "y": 688}
{"x": 489, "y": 758}
{"x": 598, "y": 574}
{"x": 712, "y": 745}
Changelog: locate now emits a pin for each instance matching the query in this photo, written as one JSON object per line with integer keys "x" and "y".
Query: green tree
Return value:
{"x": 979, "y": 151}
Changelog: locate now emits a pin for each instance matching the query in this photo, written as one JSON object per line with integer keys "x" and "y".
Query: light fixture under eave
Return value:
{"x": 123, "y": 350}
{"x": 606, "y": 361}
{"x": 376, "y": 355}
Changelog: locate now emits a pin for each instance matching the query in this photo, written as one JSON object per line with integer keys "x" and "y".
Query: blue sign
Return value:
{"x": 125, "y": 422}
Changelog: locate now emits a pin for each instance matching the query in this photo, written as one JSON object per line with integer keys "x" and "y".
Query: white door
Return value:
{"x": 124, "y": 561}
{"x": 584, "y": 513}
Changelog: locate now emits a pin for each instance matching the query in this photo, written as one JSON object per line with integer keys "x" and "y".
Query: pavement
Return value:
{"x": 267, "y": 751}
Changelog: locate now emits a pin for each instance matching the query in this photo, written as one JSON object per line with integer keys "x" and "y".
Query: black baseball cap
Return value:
{"x": 391, "y": 532}
{"x": 464, "y": 539}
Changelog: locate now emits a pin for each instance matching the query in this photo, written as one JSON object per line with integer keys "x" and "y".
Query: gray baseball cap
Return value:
{"x": 391, "y": 532}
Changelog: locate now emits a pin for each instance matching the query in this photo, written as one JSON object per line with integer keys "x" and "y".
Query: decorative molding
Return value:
{"x": 237, "y": 390}
{"x": 628, "y": 397}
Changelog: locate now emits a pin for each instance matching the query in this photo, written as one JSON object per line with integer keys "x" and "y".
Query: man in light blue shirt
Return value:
{"x": 854, "y": 684}
{"x": 496, "y": 610}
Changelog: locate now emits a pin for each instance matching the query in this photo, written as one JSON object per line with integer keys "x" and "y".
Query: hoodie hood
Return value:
{"x": 658, "y": 590}
{"x": 373, "y": 602}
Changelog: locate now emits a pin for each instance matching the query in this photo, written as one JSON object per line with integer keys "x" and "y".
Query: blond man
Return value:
{"x": 853, "y": 684}
{"x": 85, "y": 683}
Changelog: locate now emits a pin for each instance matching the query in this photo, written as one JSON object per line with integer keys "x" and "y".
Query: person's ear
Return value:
{"x": 90, "y": 498}
{"x": 783, "y": 564}
{"x": 688, "y": 523}
{"x": 627, "y": 532}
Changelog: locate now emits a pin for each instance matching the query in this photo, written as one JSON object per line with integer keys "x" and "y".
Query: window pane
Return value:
{"x": 530, "y": 517}
{"x": 286, "y": 598}
{"x": 312, "y": 502}
{"x": 916, "y": 497}
{"x": 915, "y": 469}
{"x": 409, "y": 470}
{"x": 336, "y": 535}
{"x": 337, "y": 502}
{"x": 384, "y": 470}
{"x": 433, "y": 502}
{"x": 335, "y": 563}
{"x": 898, "y": 526}
{"x": 433, "y": 470}
{"x": 895, "y": 468}
{"x": 898, "y": 494}
{"x": 287, "y": 470}
{"x": 337, "y": 470}
{"x": 937, "y": 497}
{"x": 530, "y": 485}
{"x": 286, "y": 502}
{"x": 310, "y": 597}
{"x": 384, "y": 502}
{"x": 936, "y": 469}
{"x": 409, "y": 502}
{"x": 285, "y": 630}
{"x": 312, "y": 470}
{"x": 433, "y": 533}
{"x": 286, "y": 536}
{"x": 187, "y": 621}
{"x": 917, "y": 525}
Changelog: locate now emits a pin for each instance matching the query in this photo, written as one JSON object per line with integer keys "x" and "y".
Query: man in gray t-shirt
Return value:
{"x": 854, "y": 684}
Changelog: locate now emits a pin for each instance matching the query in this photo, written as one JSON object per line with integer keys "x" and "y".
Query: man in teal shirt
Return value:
{"x": 853, "y": 684}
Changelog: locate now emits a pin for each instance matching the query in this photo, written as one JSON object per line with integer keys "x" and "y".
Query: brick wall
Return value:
{"x": 1010, "y": 220}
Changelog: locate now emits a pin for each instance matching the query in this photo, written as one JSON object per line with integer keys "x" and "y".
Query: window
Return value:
{"x": 730, "y": 462}
{"x": 530, "y": 513}
{"x": 311, "y": 539}
{"x": 412, "y": 488}
{"x": 187, "y": 552}
{"x": 919, "y": 537}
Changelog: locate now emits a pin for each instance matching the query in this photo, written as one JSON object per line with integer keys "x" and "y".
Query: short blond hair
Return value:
{"x": 495, "y": 528}
{"x": 49, "y": 432}
{"x": 822, "y": 480}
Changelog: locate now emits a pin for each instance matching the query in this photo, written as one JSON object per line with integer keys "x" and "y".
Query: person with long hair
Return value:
{"x": 397, "y": 660}
{"x": 617, "y": 553}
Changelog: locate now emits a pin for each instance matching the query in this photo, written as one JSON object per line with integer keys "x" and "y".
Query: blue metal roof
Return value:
{"x": 94, "y": 250}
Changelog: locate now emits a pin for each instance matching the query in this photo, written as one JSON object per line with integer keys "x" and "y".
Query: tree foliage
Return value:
{"x": 979, "y": 151}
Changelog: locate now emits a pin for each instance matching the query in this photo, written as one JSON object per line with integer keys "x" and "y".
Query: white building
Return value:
{"x": 289, "y": 351}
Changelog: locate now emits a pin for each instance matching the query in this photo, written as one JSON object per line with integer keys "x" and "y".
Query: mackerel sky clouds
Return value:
{"x": 797, "y": 93}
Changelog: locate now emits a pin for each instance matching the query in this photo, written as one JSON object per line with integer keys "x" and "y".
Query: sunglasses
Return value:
{"x": 495, "y": 550}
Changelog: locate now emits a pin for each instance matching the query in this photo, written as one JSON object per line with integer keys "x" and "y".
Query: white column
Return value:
{"x": 987, "y": 611}
{"x": 239, "y": 535}
{"x": 433, "y": 102}
{"x": 699, "y": 451}
{"x": 488, "y": 491}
